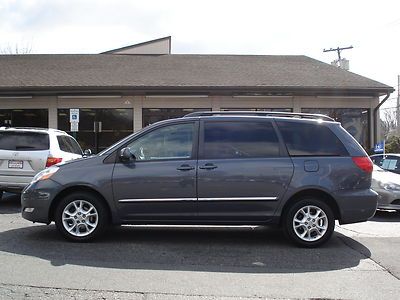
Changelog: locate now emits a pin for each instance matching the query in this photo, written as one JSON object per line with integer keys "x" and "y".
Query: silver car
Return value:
{"x": 26, "y": 151}
{"x": 387, "y": 185}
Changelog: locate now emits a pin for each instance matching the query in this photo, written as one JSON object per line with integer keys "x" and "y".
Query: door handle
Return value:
{"x": 185, "y": 168}
{"x": 208, "y": 166}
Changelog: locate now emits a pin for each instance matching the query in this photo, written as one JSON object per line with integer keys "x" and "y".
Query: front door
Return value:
{"x": 242, "y": 171}
{"x": 160, "y": 184}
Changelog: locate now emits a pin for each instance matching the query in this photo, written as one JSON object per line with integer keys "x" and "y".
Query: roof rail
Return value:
{"x": 259, "y": 113}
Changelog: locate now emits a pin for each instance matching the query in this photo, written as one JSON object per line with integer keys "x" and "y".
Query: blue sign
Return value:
{"x": 380, "y": 147}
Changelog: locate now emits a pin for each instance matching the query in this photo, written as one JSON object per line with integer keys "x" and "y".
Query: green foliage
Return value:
{"x": 392, "y": 144}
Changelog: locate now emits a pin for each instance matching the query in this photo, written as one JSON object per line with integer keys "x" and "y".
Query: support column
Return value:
{"x": 296, "y": 105}
{"x": 53, "y": 113}
{"x": 215, "y": 103}
{"x": 137, "y": 112}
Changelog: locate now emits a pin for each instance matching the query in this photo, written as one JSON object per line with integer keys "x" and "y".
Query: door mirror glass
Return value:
{"x": 126, "y": 155}
{"x": 87, "y": 152}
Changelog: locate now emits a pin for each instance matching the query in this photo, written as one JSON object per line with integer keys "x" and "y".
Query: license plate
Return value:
{"x": 15, "y": 164}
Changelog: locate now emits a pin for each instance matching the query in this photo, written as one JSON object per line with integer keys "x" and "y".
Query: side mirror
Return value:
{"x": 125, "y": 155}
{"x": 87, "y": 152}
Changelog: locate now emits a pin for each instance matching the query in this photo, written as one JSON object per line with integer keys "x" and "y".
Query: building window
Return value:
{"x": 98, "y": 127}
{"x": 24, "y": 117}
{"x": 354, "y": 120}
{"x": 259, "y": 109}
{"x": 153, "y": 115}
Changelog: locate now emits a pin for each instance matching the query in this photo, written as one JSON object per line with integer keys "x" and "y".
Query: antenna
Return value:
{"x": 340, "y": 62}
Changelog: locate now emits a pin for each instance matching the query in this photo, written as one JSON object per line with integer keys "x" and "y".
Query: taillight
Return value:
{"x": 364, "y": 163}
{"x": 52, "y": 161}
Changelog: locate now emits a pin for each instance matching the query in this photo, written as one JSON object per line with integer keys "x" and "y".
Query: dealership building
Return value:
{"x": 122, "y": 90}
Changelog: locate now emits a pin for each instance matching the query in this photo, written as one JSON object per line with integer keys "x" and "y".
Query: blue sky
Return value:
{"x": 214, "y": 27}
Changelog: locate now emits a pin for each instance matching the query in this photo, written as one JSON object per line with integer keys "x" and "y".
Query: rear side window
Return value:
{"x": 24, "y": 141}
{"x": 239, "y": 140}
{"x": 68, "y": 144}
{"x": 305, "y": 139}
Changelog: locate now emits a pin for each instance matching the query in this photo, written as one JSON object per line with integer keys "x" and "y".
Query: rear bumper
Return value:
{"x": 14, "y": 183}
{"x": 357, "y": 205}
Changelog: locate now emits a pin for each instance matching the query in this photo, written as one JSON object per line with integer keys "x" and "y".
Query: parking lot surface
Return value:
{"x": 152, "y": 262}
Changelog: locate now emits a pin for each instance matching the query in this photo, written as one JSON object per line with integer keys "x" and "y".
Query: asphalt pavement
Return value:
{"x": 361, "y": 261}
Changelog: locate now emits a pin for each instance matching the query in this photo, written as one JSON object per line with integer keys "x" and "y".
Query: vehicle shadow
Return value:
{"x": 386, "y": 216}
{"x": 10, "y": 203}
{"x": 211, "y": 249}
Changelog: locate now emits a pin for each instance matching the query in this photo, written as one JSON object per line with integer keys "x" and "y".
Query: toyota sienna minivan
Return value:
{"x": 299, "y": 171}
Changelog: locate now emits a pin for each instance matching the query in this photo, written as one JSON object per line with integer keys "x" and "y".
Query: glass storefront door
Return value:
{"x": 98, "y": 127}
{"x": 24, "y": 117}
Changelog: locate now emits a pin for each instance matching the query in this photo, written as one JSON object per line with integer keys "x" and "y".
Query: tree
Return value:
{"x": 389, "y": 122}
{"x": 392, "y": 144}
{"x": 17, "y": 49}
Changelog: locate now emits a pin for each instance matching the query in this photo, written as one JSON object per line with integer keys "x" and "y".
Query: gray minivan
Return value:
{"x": 300, "y": 171}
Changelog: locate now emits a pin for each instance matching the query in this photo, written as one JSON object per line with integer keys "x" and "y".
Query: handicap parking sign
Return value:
{"x": 379, "y": 147}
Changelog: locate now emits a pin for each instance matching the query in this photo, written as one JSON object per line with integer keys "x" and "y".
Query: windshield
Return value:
{"x": 113, "y": 146}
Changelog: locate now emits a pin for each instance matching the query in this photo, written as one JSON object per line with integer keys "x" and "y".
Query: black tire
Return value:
{"x": 311, "y": 227}
{"x": 81, "y": 230}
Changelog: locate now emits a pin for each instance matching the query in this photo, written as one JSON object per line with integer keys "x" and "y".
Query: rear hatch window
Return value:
{"x": 24, "y": 141}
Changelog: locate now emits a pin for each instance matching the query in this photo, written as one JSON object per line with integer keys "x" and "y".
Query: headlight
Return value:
{"x": 389, "y": 186}
{"x": 45, "y": 174}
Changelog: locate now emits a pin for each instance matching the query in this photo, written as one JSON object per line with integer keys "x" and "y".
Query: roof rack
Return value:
{"x": 259, "y": 113}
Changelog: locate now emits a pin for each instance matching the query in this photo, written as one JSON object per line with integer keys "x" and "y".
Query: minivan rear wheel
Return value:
{"x": 81, "y": 217}
{"x": 309, "y": 222}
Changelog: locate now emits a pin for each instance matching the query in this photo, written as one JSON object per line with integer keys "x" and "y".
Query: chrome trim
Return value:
{"x": 239, "y": 199}
{"x": 200, "y": 199}
{"x": 156, "y": 200}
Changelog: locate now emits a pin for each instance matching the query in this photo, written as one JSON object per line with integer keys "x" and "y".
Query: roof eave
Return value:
{"x": 143, "y": 90}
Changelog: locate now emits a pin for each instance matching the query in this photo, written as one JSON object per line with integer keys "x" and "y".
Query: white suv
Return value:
{"x": 26, "y": 151}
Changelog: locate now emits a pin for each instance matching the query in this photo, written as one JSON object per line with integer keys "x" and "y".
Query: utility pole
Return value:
{"x": 339, "y": 60}
{"x": 398, "y": 106}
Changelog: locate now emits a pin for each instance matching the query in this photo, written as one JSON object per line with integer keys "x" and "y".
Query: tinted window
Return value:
{"x": 68, "y": 144}
{"x": 304, "y": 139}
{"x": 169, "y": 142}
{"x": 240, "y": 140}
{"x": 24, "y": 141}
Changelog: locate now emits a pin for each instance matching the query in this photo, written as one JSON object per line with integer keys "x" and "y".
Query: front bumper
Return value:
{"x": 36, "y": 200}
{"x": 356, "y": 205}
{"x": 387, "y": 197}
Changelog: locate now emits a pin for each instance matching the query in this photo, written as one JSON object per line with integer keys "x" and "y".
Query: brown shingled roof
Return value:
{"x": 90, "y": 71}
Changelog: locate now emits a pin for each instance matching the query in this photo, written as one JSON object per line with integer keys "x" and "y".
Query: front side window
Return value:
{"x": 169, "y": 142}
{"x": 224, "y": 140}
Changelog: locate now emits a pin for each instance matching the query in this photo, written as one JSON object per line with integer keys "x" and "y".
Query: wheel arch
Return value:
{"x": 73, "y": 189}
{"x": 312, "y": 193}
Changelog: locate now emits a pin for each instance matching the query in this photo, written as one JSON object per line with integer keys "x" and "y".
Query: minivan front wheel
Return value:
{"x": 309, "y": 222}
{"x": 80, "y": 217}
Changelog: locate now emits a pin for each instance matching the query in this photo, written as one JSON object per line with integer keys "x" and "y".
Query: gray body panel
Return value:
{"x": 242, "y": 189}
{"x": 155, "y": 190}
{"x": 237, "y": 191}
